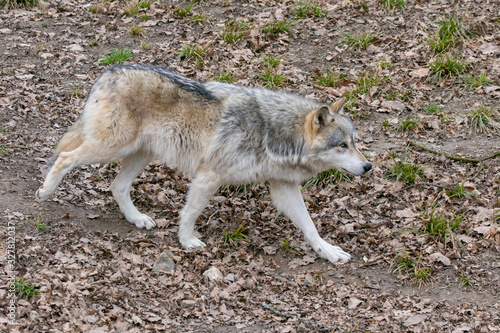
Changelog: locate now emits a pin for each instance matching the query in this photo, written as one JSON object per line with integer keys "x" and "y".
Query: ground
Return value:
{"x": 92, "y": 271}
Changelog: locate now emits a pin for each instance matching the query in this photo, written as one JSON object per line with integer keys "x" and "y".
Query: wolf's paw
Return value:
{"x": 330, "y": 252}
{"x": 142, "y": 221}
{"x": 191, "y": 243}
{"x": 40, "y": 196}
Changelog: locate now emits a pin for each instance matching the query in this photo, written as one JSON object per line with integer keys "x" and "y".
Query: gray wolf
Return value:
{"x": 220, "y": 133}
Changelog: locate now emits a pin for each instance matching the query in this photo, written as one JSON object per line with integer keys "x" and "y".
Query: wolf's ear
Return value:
{"x": 338, "y": 106}
{"x": 317, "y": 119}
{"x": 322, "y": 116}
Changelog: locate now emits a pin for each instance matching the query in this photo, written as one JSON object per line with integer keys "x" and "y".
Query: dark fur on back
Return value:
{"x": 183, "y": 82}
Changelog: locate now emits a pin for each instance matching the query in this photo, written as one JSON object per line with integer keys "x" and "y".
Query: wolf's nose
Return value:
{"x": 367, "y": 167}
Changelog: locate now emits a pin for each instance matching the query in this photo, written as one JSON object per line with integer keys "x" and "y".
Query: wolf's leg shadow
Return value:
{"x": 131, "y": 167}
{"x": 288, "y": 199}
{"x": 201, "y": 189}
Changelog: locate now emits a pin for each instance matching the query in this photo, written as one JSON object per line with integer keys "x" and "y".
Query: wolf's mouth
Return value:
{"x": 348, "y": 172}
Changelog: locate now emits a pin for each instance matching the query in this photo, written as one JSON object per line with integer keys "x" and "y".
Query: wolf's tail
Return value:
{"x": 70, "y": 141}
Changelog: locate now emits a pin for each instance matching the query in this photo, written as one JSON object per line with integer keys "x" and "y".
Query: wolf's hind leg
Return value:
{"x": 288, "y": 199}
{"x": 201, "y": 190}
{"x": 64, "y": 163}
{"x": 131, "y": 166}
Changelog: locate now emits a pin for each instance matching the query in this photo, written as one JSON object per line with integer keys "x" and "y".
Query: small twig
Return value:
{"x": 15, "y": 147}
{"x": 208, "y": 221}
{"x": 454, "y": 157}
{"x": 307, "y": 321}
{"x": 426, "y": 184}
{"x": 8, "y": 179}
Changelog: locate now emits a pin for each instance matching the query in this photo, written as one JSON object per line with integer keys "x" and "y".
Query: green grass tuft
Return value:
{"x": 413, "y": 123}
{"x": 145, "y": 4}
{"x": 437, "y": 110}
{"x": 193, "y": 52}
{"x": 391, "y": 95}
{"x": 367, "y": 81}
{"x": 231, "y": 190}
{"x": 271, "y": 61}
{"x": 484, "y": 119}
{"x": 404, "y": 267}
{"x": 459, "y": 191}
{"x": 476, "y": 81}
{"x": 332, "y": 176}
{"x": 385, "y": 63}
{"x": 116, "y": 56}
{"x": 226, "y": 77}
{"x": 464, "y": 281}
{"x": 289, "y": 249}
{"x": 358, "y": 41}
{"x": 234, "y": 31}
{"x": 302, "y": 9}
{"x": 96, "y": 9}
{"x": 77, "y": 92}
{"x": 329, "y": 78}
{"x": 446, "y": 66}
{"x": 270, "y": 78}
{"x": 41, "y": 226}
{"x": 393, "y": 4}
{"x": 131, "y": 8}
{"x": 352, "y": 100}
{"x": 276, "y": 26}
{"x": 239, "y": 236}
{"x": 401, "y": 264}
{"x": 182, "y": 12}
{"x": 421, "y": 275}
{"x": 404, "y": 169}
{"x": 3, "y": 151}
{"x": 198, "y": 18}
{"x": 448, "y": 35}
{"x": 434, "y": 108}
{"x": 136, "y": 30}
{"x": 25, "y": 289}
{"x": 145, "y": 46}
{"x": 451, "y": 25}
{"x": 19, "y": 3}
{"x": 441, "y": 226}
{"x": 436, "y": 224}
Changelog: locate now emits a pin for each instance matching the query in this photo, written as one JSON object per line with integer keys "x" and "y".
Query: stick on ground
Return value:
{"x": 454, "y": 157}
{"x": 286, "y": 315}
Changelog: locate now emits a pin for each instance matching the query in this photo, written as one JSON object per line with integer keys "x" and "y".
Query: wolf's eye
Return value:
{"x": 343, "y": 145}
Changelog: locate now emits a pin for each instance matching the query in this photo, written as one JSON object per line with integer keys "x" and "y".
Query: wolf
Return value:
{"x": 220, "y": 133}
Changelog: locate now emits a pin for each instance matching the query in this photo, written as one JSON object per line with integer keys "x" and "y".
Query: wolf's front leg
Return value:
{"x": 288, "y": 199}
{"x": 201, "y": 190}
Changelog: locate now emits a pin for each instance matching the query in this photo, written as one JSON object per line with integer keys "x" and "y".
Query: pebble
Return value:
{"x": 164, "y": 262}
{"x": 188, "y": 303}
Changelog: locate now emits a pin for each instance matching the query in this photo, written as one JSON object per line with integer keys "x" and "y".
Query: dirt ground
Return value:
{"x": 94, "y": 272}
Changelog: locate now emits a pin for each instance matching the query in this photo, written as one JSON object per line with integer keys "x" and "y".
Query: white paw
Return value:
{"x": 142, "y": 221}
{"x": 330, "y": 252}
{"x": 191, "y": 243}
{"x": 40, "y": 196}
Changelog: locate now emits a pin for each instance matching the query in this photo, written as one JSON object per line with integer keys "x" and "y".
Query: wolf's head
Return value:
{"x": 331, "y": 136}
